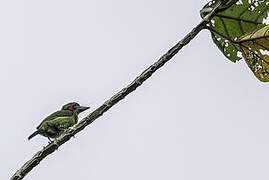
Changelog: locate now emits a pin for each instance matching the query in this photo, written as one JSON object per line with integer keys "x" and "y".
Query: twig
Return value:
{"x": 39, "y": 156}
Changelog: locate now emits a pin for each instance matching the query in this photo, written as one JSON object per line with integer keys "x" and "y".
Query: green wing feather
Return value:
{"x": 62, "y": 123}
{"x": 57, "y": 114}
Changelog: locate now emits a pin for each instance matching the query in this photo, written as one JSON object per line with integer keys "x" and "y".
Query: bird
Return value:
{"x": 55, "y": 124}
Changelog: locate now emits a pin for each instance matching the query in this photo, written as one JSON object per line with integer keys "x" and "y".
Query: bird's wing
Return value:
{"x": 62, "y": 123}
{"x": 57, "y": 114}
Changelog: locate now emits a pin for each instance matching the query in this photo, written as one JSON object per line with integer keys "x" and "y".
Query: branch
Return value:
{"x": 40, "y": 155}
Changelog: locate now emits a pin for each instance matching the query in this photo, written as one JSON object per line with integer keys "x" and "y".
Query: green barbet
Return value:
{"x": 55, "y": 124}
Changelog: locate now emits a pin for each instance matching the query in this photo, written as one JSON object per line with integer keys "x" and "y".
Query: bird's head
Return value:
{"x": 75, "y": 107}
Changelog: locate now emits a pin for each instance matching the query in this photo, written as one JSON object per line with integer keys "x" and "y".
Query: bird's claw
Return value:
{"x": 55, "y": 142}
{"x": 71, "y": 129}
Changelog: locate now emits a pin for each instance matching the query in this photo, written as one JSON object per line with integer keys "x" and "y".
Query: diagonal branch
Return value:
{"x": 40, "y": 155}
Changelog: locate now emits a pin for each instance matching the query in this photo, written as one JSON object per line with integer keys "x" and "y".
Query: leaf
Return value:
{"x": 227, "y": 3}
{"x": 232, "y": 21}
{"x": 255, "y": 49}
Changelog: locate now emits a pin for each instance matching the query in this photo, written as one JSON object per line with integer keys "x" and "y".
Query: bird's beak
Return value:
{"x": 82, "y": 108}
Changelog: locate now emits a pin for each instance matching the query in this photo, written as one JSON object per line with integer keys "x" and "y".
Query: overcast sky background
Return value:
{"x": 201, "y": 117}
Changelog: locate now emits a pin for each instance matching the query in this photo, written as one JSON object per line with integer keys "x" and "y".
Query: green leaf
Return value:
{"x": 255, "y": 49}
{"x": 233, "y": 20}
{"x": 227, "y": 3}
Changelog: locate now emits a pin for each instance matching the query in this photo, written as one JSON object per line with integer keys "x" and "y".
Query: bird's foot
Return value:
{"x": 55, "y": 142}
{"x": 71, "y": 129}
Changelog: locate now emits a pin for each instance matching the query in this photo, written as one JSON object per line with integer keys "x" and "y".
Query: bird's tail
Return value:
{"x": 33, "y": 135}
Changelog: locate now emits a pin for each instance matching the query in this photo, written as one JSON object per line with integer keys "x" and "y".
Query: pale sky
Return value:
{"x": 201, "y": 117}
